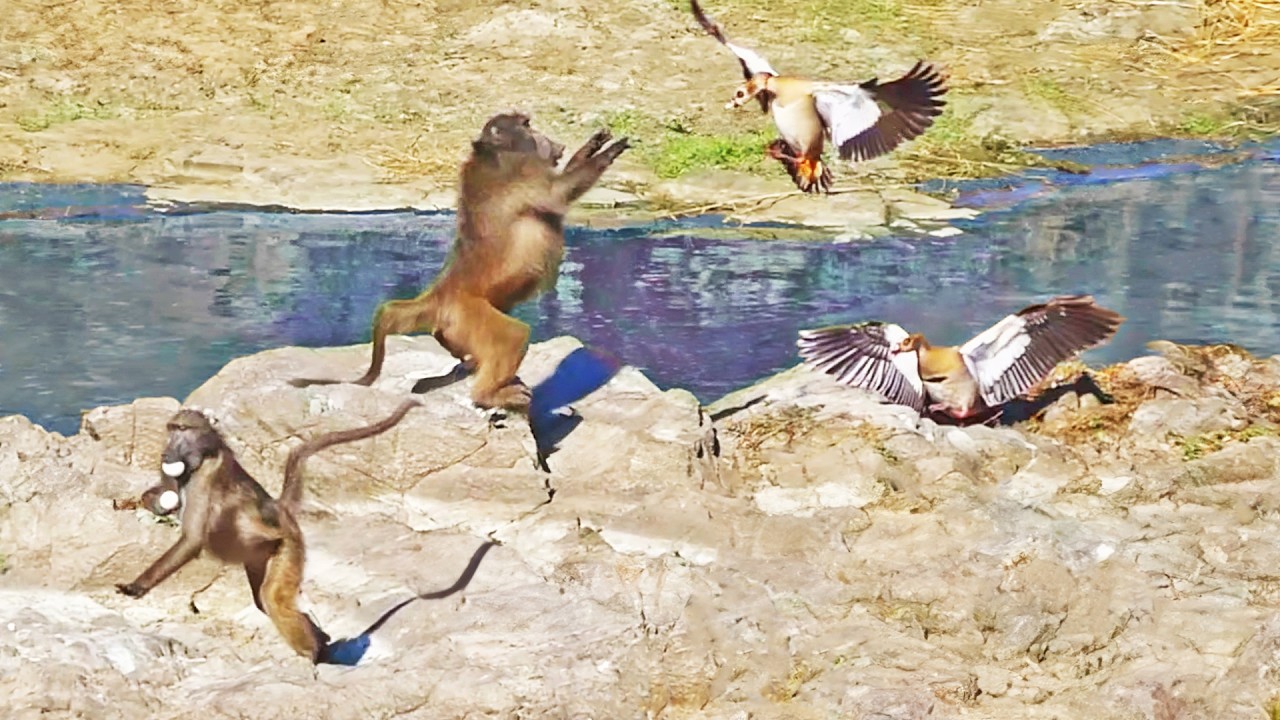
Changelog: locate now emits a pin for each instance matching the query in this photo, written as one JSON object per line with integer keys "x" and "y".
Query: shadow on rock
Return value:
{"x": 579, "y": 374}
{"x": 1023, "y": 409}
{"x": 349, "y": 651}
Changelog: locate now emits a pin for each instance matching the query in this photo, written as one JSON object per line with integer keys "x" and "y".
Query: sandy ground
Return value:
{"x": 370, "y": 105}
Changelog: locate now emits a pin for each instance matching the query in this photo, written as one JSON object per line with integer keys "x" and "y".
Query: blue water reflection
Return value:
{"x": 115, "y": 302}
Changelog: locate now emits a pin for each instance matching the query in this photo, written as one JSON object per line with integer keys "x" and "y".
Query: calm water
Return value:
{"x": 121, "y": 303}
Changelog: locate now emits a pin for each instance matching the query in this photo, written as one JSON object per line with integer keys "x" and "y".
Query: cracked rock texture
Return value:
{"x": 809, "y": 553}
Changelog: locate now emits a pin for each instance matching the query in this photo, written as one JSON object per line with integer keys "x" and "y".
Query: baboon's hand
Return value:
{"x": 598, "y": 140}
{"x": 133, "y": 590}
{"x": 588, "y": 151}
{"x": 612, "y": 152}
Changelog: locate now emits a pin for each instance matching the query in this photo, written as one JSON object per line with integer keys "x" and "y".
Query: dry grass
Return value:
{"x": 754, "y": 431}
{"x": 1228, "y": 25}
{"x": 422, "y": 158}
{"x": 1227, "y": 29}
{"x": 1103, "y": 425}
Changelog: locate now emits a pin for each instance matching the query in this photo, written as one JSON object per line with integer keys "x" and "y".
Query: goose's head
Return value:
{"x": 746, "y": 91}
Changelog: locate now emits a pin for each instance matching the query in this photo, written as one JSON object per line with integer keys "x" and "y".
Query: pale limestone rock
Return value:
{"x": 798, "y": 549}
{"x": 135, "y": 432}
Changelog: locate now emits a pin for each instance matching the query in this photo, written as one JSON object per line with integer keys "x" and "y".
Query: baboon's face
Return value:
{"x": 191, "y": 440}
{"x": 511, "y": 132}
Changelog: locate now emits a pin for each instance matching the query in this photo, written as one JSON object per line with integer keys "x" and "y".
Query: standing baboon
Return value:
{"x": 511, "y": 206}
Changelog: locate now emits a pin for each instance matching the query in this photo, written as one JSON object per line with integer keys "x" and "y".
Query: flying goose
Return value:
{"x": 806, "y": 112}
{"x": 1000, "y": 364}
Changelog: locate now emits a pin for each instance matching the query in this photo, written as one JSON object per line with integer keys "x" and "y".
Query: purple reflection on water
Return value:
{"x": 124, "y": 304}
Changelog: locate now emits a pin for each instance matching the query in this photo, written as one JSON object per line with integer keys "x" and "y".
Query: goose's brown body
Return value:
{"x": 808, "y": 112}
{"x": 999, "y": 364}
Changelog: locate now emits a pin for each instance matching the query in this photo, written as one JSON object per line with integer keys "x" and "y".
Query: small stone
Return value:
{"x": 994, "y": 681}
{"x": 1103, "y": 551}
{"x": 1114, "y": 483}
{"x": 607, "y": 198}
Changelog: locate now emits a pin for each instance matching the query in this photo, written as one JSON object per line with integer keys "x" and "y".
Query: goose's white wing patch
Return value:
{"x": 860, "y": 126}
{"x": 995, "y": 351}
{"x": 846, "y": 110}
{"x": 1016, "y": 354}
{"x": 861, "y": 355}
{"x": 752, "y": 61}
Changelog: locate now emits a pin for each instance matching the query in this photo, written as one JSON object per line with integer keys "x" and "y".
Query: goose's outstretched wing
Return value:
{"x": 861, "y": 355}
{"x": 862, "y": 130}
{"x": 1020, "y": 350}
{"x": 752, "y": 62}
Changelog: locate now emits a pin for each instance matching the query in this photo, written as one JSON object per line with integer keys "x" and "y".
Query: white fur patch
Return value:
{"x": 168, "y": 500}
{"x": 907, "y": 363}
{"x": 173, "y": 469}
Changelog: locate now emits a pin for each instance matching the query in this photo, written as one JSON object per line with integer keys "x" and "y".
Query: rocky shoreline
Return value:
{"x": 797, "y": 549}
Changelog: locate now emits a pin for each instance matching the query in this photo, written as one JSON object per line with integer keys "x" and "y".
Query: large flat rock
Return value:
{"x": 795, "y": 550}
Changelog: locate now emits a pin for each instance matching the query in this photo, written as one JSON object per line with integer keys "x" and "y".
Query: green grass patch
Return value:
{"x": 1204, "y": 125}
{"x": 952, "y": 148}
{"x": 678, "y": 153}
{"x": 1197, "y": 446}
{"x": 628, "y": 122}
{"x": 1258, "y": 119}
{"x": 63, "y": 110}
{"x": 949, "y": 129}
{"x": 672, "y": 146}
{"x": 1047, "y": 89}
{"x": 768, "y": 23}
{"x": 827, "y": 20}
{"x": 336, "y": 109}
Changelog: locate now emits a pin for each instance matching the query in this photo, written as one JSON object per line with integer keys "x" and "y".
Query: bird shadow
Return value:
{"x": 1023, "y": 409}
{"x": 349, "y": 651}
{"x": 579, "y": 374}
{"x": 551, "y": 419}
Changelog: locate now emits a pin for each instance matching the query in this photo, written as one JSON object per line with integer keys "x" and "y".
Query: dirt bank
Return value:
{"x": 367, "y": 105}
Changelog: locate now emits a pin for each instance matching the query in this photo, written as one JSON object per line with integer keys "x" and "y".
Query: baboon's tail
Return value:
{"x": 291, "y": 493}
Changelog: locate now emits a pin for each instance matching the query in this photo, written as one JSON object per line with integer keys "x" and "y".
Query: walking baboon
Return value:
{"x": 223, "y": 509}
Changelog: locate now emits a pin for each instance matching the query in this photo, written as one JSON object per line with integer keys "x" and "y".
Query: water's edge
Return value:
{"x": 152, "y": 301}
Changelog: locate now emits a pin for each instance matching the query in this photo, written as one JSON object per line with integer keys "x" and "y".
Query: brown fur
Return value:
{"x": 227, "y": 512}
{"x": 511, "y": 208}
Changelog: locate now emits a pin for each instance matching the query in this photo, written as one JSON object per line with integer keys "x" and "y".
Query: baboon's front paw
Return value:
{"x": 598, "y": 140}
{"x": 614, "y": 150}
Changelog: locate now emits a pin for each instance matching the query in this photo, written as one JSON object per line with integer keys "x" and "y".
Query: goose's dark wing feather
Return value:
{"x": 862, "y": 131}
{"x": 752, "y": 62}
{"x": 861, "y": 355}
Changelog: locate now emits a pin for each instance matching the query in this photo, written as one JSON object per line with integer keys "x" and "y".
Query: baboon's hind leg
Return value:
{"x": 466, "y": 365}
{"x": 394, "y": 317}
{"x": 255, "y": 570}
{"x": 397, "y": 317}
{"x": 279, "y": 595}
{"x": 496, "y": 343}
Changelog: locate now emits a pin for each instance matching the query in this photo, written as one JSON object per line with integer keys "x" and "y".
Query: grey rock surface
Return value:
{"x": 795, "y": 550}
